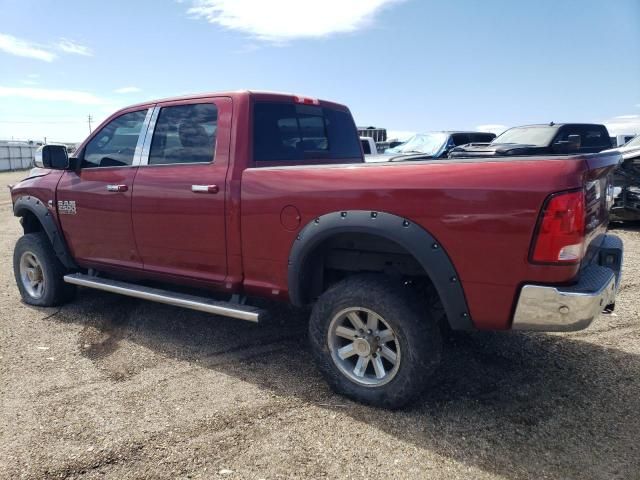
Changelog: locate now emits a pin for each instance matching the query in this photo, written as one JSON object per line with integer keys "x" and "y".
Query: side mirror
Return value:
{"x": 52, "y": 156}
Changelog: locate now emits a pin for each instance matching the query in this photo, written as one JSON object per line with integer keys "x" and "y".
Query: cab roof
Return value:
{"x": 255, "y": 94}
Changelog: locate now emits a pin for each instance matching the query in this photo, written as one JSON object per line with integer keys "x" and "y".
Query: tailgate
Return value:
{"x": 599, "y": 199}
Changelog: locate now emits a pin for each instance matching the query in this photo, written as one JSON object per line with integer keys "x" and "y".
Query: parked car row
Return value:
{"x": 533, "y": 140}
{"x": 626, "y": 182}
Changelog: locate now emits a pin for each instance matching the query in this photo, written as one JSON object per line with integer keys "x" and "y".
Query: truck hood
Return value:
{"x": 628, "y": 153}
{"x": 495, "y": 149}
{"x": 396, "y": 157}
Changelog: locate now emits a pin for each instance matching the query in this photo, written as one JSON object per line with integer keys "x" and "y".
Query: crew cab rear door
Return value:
{"x": 94, "y": 201}
{"x": 179, "y": 191}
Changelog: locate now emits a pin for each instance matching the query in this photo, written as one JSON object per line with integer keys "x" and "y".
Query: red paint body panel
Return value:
{"x": 101, "y": 231}
{"x": 482, "y": 212}
{"x": 178, "y": 231}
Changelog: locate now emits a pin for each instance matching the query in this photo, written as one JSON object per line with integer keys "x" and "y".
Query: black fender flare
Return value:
{"x": 35, "y": 206}
{"x": 412, "y": 237}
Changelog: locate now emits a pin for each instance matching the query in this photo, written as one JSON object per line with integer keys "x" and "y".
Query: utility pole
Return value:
{"x": 89, "y": 118}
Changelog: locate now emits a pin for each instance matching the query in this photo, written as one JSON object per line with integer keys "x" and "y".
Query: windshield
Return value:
{"x": 537, "y": 136}
{"x": 427, "y": 143}
{"x": 634, "y": 142}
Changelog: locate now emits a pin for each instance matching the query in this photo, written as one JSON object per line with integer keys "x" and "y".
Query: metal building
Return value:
{"x": 378, "y": 134}
{"x": 16, "y": 155}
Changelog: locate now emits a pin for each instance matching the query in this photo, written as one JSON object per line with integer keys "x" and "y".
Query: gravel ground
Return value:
{"x": 112, "y": 387}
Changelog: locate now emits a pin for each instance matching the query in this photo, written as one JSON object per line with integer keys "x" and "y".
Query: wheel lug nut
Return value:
{"x": 377, "y": 339}
{"x": 369, "y": 332}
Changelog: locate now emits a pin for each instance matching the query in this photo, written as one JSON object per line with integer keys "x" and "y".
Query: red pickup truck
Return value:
{"x": 249, "y": 194}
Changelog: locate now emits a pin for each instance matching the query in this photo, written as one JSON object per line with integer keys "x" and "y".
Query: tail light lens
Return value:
{"x": 560, "y": 235}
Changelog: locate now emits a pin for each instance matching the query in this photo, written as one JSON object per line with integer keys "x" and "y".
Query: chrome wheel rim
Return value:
{"x": 32, "y": 275}
{"x": 364, "y": 347}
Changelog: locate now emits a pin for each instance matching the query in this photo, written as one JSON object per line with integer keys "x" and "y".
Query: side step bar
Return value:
{"x": 202, "y": 304}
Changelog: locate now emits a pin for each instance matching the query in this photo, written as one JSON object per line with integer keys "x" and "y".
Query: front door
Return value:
{"x": 179, "y": 191}
{"x": 94, "y": 201}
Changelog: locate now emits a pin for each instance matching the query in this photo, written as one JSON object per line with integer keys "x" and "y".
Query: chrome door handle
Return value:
{"x": 204, "y": 188}
{"x": 117, "y": 188}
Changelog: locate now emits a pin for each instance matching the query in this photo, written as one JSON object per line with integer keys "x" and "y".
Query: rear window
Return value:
{"x": 294, "y": 133}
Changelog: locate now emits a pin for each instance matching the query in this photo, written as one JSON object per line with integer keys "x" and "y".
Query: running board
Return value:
{"x": 202, "y": 304}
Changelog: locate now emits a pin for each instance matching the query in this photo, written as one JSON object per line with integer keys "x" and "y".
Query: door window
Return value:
{"x": 184, "y": 134}
{"x": 115, "y": 144}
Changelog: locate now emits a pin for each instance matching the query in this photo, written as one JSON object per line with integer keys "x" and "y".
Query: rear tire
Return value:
{"x": 374, "y": 340}
{"x": 38, "y": 272}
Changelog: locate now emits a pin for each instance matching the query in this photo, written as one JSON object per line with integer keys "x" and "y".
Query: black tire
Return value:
{"x": 416, "y": 332}
{"x": 55, "y": 290}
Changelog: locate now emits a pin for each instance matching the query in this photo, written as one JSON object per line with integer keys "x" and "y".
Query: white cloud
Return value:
{"x": 623, "y": 124}
{"x": 46, "y": 94}
{"x": 69, "y": 46}
{"x": 492, "y": 127}
{"x": 278, "y": 21}
{"x": 23, "y": 48}
{"x": 127, "y": 90}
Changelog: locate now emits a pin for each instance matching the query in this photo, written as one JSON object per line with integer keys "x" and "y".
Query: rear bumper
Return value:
{"x": 564, "y": 309}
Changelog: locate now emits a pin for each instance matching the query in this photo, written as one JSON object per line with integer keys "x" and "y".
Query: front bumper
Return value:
{"x": 565, "y": 309}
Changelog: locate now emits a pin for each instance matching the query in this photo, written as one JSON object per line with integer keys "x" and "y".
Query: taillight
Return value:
{"x": 560, "y": 233}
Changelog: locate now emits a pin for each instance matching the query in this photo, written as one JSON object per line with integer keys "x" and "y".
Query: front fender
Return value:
{"x": 35, "y": 206}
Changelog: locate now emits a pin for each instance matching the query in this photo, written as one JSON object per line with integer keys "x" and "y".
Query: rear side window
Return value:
{"x": 482, "y": 137}
{"x": 366, "y": 148}
{"x": 460, "y": 138}
{"x": 591, "y": 136}
{"x": 184, "y": 134}
{"x": 294, "y": 133}
{"x": 115, "y": 144}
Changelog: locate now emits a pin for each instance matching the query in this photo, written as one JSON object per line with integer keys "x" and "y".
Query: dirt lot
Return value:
{"x": 119, "y": 388}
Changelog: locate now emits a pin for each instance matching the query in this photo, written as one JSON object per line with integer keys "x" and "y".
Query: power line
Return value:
{"x": 48, "y": 122}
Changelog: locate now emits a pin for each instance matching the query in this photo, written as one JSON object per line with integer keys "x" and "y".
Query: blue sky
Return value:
{"x": 412, "y": 65}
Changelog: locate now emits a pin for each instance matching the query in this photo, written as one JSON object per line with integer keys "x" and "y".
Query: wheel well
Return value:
{"x": 345, "y": 254}
{"x": 30, "y": 222}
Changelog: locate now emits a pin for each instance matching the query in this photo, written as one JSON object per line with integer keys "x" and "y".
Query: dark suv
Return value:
{"x": 547, "y": 139}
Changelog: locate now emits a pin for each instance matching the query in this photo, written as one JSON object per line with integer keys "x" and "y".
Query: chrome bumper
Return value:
{"x": 565, "y": 309}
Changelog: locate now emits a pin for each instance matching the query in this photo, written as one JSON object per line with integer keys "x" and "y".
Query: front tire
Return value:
{"x": 374, "y": 340}
{"x": 38, "y": 272}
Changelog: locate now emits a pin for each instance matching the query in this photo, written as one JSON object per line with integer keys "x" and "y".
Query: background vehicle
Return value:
{"x": 626, "y": 183}
{"x": 438, "y": 144}
{"x": 621, "y": 140}
{"x": 546, "y": 139}
{"x": 368, "y": 146}
{"x": 260, "y": 194}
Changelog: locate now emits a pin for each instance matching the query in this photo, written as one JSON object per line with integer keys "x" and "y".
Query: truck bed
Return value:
{"x": 483, "y": 212}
